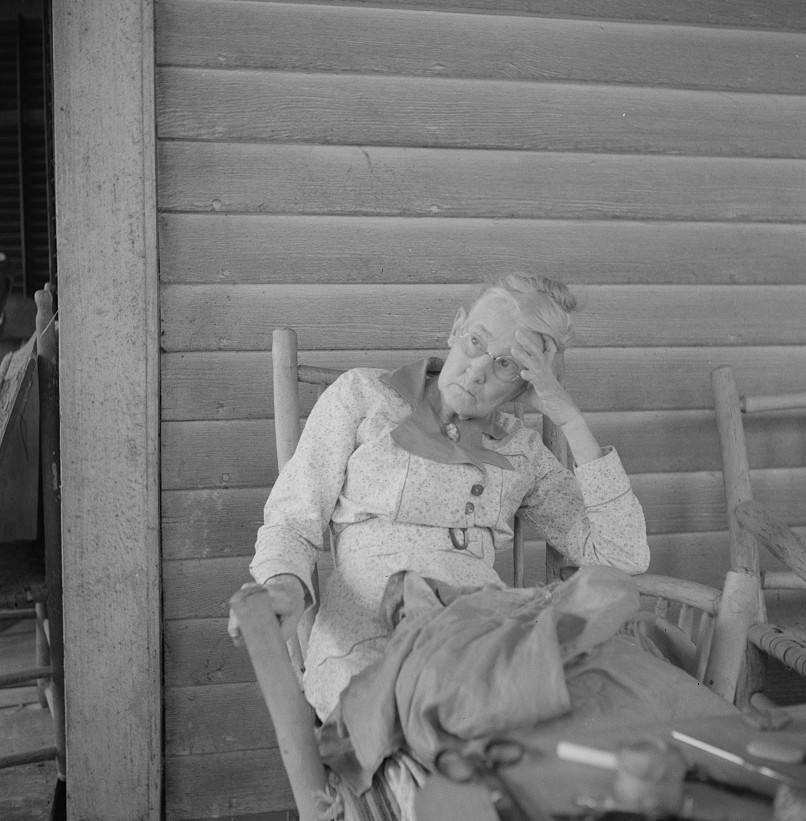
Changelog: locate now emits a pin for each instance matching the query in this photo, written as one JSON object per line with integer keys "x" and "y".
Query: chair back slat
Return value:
{"x": 286, "y": 393}
{"x": 781, "y": 401}
{"x": 686, "y": 619}
{"x": 316, "y": 375}
{"x": 735, "y": 468}
{"x": 705, "y": 635}
{"x": 518, "y": 543}
{"x": 555, "y": 441}
{"x": 661, "y": 607}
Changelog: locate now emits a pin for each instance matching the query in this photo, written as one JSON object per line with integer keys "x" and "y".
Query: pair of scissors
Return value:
{"x": 483, "y": 767}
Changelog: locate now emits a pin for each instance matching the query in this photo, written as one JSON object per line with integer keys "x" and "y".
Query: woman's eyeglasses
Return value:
{"x": 506, "y": 368}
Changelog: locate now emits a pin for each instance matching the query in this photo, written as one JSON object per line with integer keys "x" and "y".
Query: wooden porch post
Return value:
{"x": 104, "y": 139}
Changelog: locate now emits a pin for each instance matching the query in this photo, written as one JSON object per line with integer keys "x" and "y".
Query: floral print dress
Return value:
{"x": 374, "y": 465}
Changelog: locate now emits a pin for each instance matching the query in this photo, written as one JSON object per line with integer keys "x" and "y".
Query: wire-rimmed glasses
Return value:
{"x": 505, "y": 367}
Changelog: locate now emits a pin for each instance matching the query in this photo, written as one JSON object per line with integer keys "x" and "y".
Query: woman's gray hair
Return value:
{"x": 543, "y": 305}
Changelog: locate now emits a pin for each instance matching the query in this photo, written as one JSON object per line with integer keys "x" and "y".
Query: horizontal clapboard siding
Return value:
{"x": 208, "y": 105}
{"x": 231, "y": 716}
{"x": 199, "y": 652}
{"x": 210, "y": 248}
{"x": 226, "y": 785}
{"x": 211, "y": 719}
{"x": 780, "y": 15}
{"x": 241, "y": 317}
{"x": 423, "y": 43}
{"x": 446, "y": 182}
{"x": 207, "y": 385}
{"x": 240, "y": 453}
{"x": 352, "y": 168}
{"x": 221, "y": 523}
{"x": 193, "y": 588}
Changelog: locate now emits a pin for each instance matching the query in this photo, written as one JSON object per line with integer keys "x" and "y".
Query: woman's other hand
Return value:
{"x": 546, "y": 395}
{"x": 288, "y": 602}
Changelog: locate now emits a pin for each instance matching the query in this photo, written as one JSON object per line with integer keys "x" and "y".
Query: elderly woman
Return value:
{"x": 422, "y": 471}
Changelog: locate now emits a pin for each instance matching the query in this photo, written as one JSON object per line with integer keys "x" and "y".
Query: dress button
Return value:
{"x": 469, "y": 507}
{"x": 477, "y": 490}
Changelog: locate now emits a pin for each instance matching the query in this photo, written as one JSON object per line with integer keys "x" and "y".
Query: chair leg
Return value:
{"x": 738, "y": 610}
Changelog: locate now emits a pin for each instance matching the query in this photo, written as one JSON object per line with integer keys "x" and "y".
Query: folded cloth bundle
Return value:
{"x": 469, "y": 663}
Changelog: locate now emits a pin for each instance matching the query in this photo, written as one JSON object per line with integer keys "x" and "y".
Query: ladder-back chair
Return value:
{"x": 751, "y": 524}
{"x": 35, "y": 592}
{"x": 707, "y": 627}
{"x": 726, "y": 631}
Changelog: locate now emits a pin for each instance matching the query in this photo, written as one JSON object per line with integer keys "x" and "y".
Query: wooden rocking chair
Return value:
{"x": 713, "y": 624}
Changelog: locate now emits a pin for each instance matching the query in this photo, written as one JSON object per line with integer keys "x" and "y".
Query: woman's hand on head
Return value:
{"x": 545, "y": 394}
{"x": 287, "y": 595}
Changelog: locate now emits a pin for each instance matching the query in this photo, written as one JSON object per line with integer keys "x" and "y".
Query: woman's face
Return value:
{"x": 468, "y": 386}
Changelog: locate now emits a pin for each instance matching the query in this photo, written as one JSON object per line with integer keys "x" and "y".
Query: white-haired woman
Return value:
{"x": 422, "y": 471}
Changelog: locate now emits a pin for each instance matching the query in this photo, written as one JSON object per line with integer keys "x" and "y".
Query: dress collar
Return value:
{"x": 422, "y": 433}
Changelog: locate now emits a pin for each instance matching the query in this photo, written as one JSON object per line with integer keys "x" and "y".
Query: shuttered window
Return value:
{"x": 25, "y": 214}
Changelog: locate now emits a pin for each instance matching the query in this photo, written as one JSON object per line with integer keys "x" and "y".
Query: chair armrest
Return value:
{"x": 774, "y": 535}
{"x": 682, "y": 591}
{"x": 290, "y": 713}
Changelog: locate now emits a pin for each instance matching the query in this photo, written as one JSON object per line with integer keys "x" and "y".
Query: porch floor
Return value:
{"x": 26, "y": 792}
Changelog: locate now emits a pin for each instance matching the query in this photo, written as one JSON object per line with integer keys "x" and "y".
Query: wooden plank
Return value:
{"x": 512, "y": 47}
{"x": 383, "y": 181}
{"x": 208, "y": 524}
{"x": 695, "y": 502}
{"x": 275, "y": 815}
{"x": 202, "y": 588}
{"x": 223, "y": 718}
{"x": 650, "y": 441}
{"x": 704, "y": 557}
{"x": 756, "y": 14}
{"x": 211, "y": 523}
{"x": 200, "y": 651}
{"x": 336, "y": 109}
{"x": 225, "y": 785}
{"x": 359, "y": 317}
{"x": 213, "y": 580}
{"x": 241, "y": 453}
{"x": 681, "y": 503}
{"x": 258, "y": 249}
{"x": 237, "y": 384}
{"x": 108, "y": 275}
{"x": 252, "y": 462}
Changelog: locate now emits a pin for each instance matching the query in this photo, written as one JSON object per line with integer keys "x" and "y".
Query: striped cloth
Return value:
{"x": 390, "y": 798}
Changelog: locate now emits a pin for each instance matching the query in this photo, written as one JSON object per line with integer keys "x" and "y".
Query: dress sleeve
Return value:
{"x": 302, "y": 500}
{"x": 591, "y": 516}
